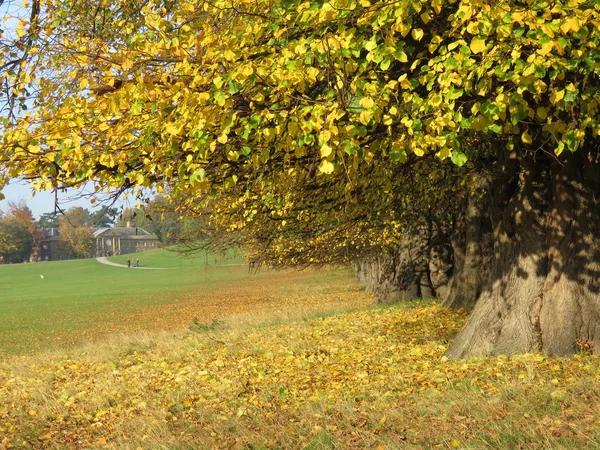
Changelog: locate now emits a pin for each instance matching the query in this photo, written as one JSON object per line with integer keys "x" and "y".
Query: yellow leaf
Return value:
{"x": 444, "y": 153}
{"x": 20, "y": 31}
{"x": 571, "y": 24}
{"x": 173, "y": 129}
{"x": 325, "y": 151}
{"x": 526, "y": 137}
{"x": 542, "y": 112}
{"x": 546, "y": 48}
{"x": 222, "y": 139}
{"x": 556, "y": 96}
{"x": 326, "y": 167}
{"x": 477, "y": 45}
{"x": 365, "y": 117}
{"x": 417, "y": 34}
{"x": 229, "y": 55}
{"x": 366, "y": 102}
{"x": 416, "y": 351}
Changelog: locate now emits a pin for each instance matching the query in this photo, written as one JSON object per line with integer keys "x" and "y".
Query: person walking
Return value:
{"x": 128, "y": 262}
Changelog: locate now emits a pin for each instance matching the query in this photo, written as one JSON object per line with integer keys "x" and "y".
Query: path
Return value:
{"x": 104, "y": 260}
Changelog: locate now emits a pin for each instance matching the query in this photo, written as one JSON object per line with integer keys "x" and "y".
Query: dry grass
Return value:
{"x": 373, "y": 378}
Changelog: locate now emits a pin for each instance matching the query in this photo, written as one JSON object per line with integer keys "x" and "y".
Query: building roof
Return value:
{"x": 143, "y": 236}
{"x": 130, "y": 232}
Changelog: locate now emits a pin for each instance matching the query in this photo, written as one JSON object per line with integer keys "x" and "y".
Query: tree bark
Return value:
{"x": 440, "y": 259}
{"x": 417, "y": 269}
{"x": 472, "y": 247}
{"x": 544, "y": 291}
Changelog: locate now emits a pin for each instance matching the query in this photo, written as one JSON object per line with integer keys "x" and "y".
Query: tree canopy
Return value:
{"x": 340, "y": 125}
{"x": 18, "y": 234}
{"x": 201, "y": 95}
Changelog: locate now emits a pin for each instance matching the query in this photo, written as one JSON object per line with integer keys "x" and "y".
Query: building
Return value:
{"x": 123, "y": 240}
{"x": 109, "y": 242}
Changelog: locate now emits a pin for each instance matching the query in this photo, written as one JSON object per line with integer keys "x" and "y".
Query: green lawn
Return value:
{"x": 83, "y": 301}
{"x": 170, "y": 259}
{"x": 75, "y": 294}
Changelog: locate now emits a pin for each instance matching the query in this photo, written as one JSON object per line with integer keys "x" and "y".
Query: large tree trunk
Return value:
{"x": 417, "y": 269}
{"x": 440, "y": 264}
{"x": 544, "y": 291}
{"x": 472, "y": 247}
{"x": 392, "y": 276}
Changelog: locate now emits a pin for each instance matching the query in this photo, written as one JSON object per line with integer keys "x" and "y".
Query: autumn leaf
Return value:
{"x": 477, "y": 45}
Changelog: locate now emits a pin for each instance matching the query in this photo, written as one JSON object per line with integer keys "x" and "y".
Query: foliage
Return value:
{"x": 346, "y": 96}
{"x": 19, "y": 234}
{"x": 75, "y": 235}
{"x": 104, "y": 217}
{"x": 48, "y": 220}
{"x": 366, "y": 379}
{"x": 155, "y": 216}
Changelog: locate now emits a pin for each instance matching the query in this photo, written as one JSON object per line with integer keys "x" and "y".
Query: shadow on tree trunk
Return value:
{"x": 543, "y": 294}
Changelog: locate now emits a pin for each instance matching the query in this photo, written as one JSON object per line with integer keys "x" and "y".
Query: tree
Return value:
{"x": 157, "y": 216}
{"x": 48, "y": 220}
{"x": 18, "y": 234}
{"x": 233, "y": 100}
{"x": 75, "y": 234}
{"x": 104, "y": 217}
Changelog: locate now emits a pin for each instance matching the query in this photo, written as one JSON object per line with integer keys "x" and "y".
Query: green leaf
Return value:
{"x": 401, "y": 56}
{"x": 234, "y": 88}
{"x": 459, "y": 158}
{"x": 385, "y": 64}
{"x": 453, "y": 94}
{"x": 198, "y": 174}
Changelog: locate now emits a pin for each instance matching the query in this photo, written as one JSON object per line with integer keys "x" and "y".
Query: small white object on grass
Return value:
{"x": 42, "y": 277}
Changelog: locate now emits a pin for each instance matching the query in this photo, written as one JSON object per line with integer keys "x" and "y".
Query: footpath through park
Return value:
{"x": 104, "y": 260}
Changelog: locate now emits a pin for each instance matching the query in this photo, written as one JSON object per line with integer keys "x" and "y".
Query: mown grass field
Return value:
{"x": 174, "y": 260}
{"x": 84, "y": 301}
{"x": 280, "y": 360}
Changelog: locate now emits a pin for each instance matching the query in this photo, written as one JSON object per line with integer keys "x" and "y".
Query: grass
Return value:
{"x": 170, "y": 259}
{"x": 280, "y": 360}
{"x": 360, "y": 379}
{"x": 81, "y": 301}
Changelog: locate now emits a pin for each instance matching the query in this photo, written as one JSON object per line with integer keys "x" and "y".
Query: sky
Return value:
{"x": 43, "y": 202}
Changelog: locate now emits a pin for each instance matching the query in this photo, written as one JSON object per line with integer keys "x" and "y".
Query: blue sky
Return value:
{"x": 43, "y": 202}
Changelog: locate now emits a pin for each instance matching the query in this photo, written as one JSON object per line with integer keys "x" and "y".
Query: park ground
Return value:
{"x": 204, "y": 355}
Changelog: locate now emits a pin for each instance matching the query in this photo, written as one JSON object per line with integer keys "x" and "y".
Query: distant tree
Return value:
{"x": 76, "y": 217}
{"x": 158, "y": 217}
{"x": 75, "y": 234}
{"x": 48, "y": 220}
{"x": 104, "y": 217}
{"x": 19, "y": 235}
